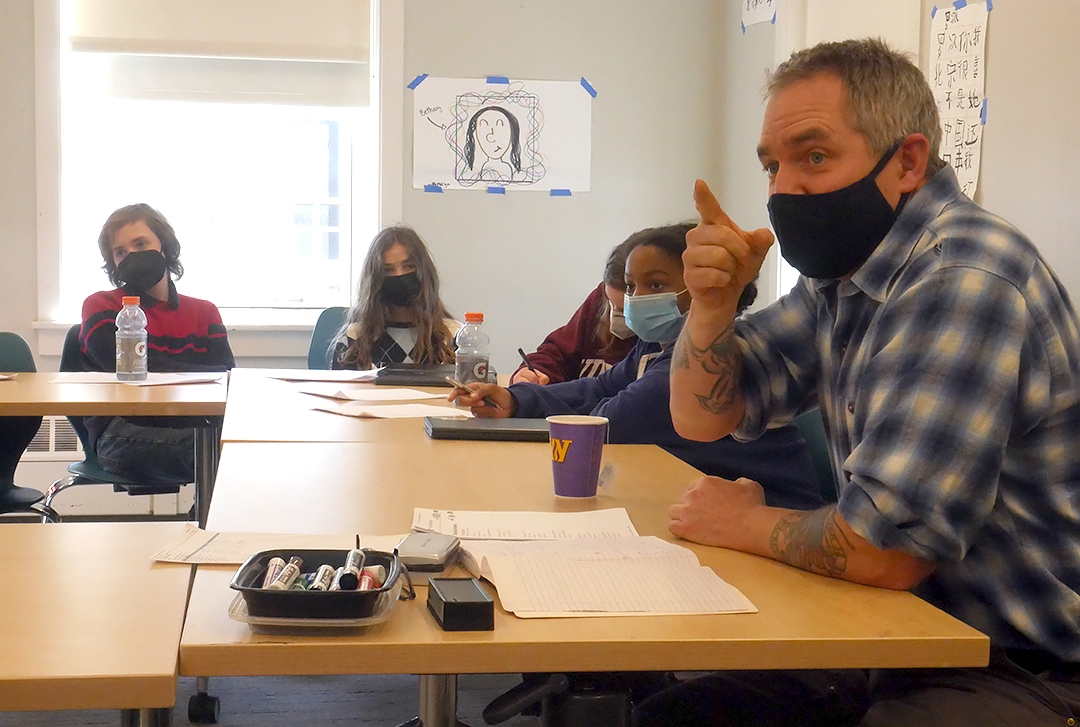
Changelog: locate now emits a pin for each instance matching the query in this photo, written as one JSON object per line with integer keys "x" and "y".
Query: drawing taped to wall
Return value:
{"x": 517, "y": 135}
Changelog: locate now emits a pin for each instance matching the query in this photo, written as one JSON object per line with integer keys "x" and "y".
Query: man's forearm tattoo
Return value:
{"x": 812, "y": 541}
{"x": 720, "y": 358}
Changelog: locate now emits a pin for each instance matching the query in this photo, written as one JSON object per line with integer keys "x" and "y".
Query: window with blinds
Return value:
{"x": 247, "y": 123}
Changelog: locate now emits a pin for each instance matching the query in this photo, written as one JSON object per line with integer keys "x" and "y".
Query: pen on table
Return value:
{"x": 526, "y": 360}
{"x": 462, "y": 387}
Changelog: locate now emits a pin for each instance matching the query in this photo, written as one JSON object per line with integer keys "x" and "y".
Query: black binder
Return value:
{"x": 506, "y": 430}
{"x": 415, "y": 375}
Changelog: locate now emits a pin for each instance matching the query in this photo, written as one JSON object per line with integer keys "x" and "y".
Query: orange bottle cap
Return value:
{"x": 131, "y": 300}
{"x": 474, "y": 317}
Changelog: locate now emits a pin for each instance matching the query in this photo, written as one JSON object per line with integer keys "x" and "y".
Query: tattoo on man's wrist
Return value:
{"x": 720, "y": 358}
{"x": 812, "y": 541}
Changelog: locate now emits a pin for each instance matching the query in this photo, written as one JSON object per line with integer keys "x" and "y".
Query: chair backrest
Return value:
{"x": 322, "y": 336}
{"x": 15, "y": 353}
{"x": 812, "y": 429}
{"x": 72, "y": 359}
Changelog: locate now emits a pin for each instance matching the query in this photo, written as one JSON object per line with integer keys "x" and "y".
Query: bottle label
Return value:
{"x": 471, "y": 369}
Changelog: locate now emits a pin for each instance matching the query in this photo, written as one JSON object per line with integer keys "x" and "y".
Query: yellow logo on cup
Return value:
{"x": 558, "y": 449}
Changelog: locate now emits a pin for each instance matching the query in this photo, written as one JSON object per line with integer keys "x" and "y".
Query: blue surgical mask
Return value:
{"x": 655, "y": 318}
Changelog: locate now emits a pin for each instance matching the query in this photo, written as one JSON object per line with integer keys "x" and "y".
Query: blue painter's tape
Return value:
{"x": 498, "y": 79}
{"x": 989, "y": 5}
{"x": 743, "y": 27}
{"x": 960, "y": 4}
{"x": 417, "y": 81}
{"x": 773, "y": 21}
{"x": 588, "y": 87}
{"x": 560, "y": 193}
{"x": 982, "y": 114}
{"x": 433, "y": 188}
{"x": 933, "y": 12}
{"x": 496, "y": 190}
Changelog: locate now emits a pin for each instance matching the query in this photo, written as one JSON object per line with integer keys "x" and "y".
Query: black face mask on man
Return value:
{"x": 140, "y": 271}
{"x": 831, "y": 234}
{"x": 401, "y": 289}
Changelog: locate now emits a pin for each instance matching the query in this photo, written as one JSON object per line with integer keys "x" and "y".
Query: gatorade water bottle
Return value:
{"x": 131, "y": 341}
{"x": 472, "y": 350}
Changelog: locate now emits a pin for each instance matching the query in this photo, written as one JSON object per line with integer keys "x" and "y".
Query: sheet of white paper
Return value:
{"x": 368, "y": 393}
{"x": 204, "y": 546}
{"x": 315, "y": 375}
{"x": 594, "y": 577}
{"x": 521, "y": 135}
{"x": 757, "y": 11}
{"x": 958, "y": 79}
{"x": 393, "y": 411}
{"x": 7, "y": 377}
{"x": 153, "y": 378}
{"x": 494, "y": 525}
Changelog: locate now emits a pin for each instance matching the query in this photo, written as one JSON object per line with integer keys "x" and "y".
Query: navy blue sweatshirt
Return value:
{"x": 634, "y": 394}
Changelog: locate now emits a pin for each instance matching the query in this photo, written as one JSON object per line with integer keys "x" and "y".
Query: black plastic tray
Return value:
{"x": 262, "y": 602}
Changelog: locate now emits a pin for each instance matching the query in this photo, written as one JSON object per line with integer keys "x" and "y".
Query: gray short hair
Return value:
{"x": 887, "y": 94}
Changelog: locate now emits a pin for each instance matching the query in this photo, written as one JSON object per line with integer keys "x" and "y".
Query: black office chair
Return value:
{"x": 90, "y": 471}
{"x": 812, "y": 428}
{"x": 16, "y": 433}
{"x": 322, "y": 337}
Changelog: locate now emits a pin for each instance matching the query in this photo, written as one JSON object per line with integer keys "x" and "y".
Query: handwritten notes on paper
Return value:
{"x": 495, "y": 525}
{"x": 758, "y": 11}
{"x": 601, "y": 577}
{"x": 958, "y": 80}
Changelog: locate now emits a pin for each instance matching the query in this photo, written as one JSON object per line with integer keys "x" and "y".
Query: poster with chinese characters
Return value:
{"x": 757, "y": 11}
{"x": 958, "y": 78}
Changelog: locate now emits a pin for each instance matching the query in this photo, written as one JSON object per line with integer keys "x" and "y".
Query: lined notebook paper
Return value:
{"x": 601, "y": 577}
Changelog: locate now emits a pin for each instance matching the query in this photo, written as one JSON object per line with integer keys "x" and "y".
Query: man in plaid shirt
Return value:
{"x": 945, "y": 357}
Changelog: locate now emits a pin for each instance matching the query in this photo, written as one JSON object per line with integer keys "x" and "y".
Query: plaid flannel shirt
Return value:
{"x": 948, "y": 371}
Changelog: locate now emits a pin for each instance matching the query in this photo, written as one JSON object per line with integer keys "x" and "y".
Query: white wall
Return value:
{"x": 527, "y": 260}
{"x": 18, "y": 230}
{"x": 678, "y": 97}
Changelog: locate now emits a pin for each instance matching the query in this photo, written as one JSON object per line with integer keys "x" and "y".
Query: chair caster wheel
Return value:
{"x": 203, "y": 709}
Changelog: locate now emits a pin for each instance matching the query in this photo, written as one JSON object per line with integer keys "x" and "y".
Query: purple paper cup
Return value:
{"x": 577, "y": 444}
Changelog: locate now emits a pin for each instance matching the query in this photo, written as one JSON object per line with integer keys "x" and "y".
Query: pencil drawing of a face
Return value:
{"x": 493, "y": 134}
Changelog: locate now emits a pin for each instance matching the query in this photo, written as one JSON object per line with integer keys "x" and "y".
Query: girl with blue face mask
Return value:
{"x": 656, "y": 297}
{"x": 634, "y": 393}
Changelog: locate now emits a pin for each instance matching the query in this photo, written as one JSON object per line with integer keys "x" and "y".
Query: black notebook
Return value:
{"x": 507, "y": 430}
{"x": 415, "y": 375}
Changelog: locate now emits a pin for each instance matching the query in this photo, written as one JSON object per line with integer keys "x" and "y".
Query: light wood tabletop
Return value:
{"x": 57, "y": 394}
{"x": 50, "y": 393}
{"x": 88, "y": 620}
{"x": 267, "y": 409}
{"x": 804, "y": 621}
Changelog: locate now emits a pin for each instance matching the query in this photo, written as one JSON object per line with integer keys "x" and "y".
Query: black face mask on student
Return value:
{"x": 830, "y": 235}
{"x": 141, "y": 270}
{"x": 401, "y": 289}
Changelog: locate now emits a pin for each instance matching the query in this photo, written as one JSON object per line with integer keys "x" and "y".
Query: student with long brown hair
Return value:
{"x": 398, "y": 316}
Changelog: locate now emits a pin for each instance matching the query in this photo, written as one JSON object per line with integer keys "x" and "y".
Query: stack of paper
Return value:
{"x": 593, "y": 563}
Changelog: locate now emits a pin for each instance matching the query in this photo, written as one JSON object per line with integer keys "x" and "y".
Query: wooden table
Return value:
{"x": 89, "y": 621}
{"x": 804, "y": 620}
{"x": 48, "y": 394}
{"x": 265, "y": 409}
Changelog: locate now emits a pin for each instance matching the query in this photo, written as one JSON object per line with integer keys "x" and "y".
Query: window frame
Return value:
{"x": 387, "y": 64}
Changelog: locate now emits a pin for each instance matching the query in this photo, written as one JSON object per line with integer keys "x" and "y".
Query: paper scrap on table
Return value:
{"x": 336, "y": 375}
{"x": 394, "y": 411}
{"x": 7, "y": 377}
{"x": 601, "y": 577}
{"x": 376, "y": 394}
{"x": 204, "y": 546}
{"x": 154, "y": 378}
{"x": 611, "y": 522}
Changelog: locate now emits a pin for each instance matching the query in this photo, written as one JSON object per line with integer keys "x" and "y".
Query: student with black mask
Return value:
{"x": 398, "y": 316}
{"x": 142, "y": 257}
